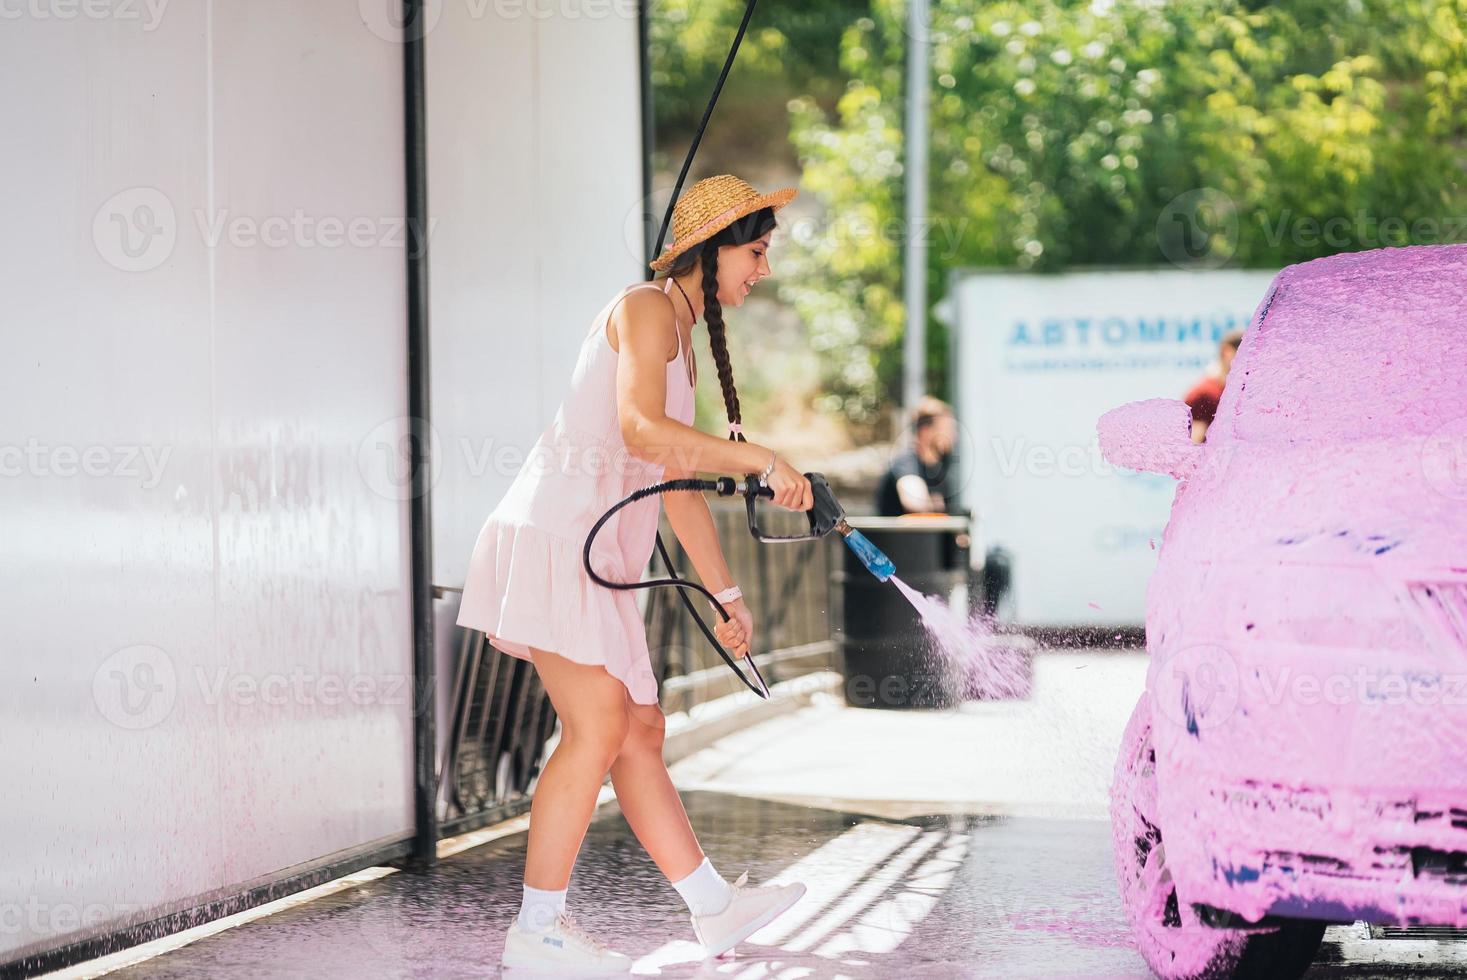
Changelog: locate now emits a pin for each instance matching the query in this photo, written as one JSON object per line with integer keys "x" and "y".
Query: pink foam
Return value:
{"x": 1086, "y": 929}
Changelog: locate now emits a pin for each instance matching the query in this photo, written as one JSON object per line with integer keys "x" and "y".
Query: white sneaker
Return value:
{"x": 748, "y": 911}
{"x": 564, "y": 949}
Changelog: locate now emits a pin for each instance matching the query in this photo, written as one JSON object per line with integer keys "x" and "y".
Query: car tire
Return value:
{"x": 1171, "y": 938}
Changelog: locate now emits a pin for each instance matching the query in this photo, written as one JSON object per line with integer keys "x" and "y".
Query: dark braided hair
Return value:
{"x": 740, "y": 232}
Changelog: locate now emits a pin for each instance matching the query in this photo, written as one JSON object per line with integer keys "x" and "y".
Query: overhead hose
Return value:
{"x": 702, "y": 125}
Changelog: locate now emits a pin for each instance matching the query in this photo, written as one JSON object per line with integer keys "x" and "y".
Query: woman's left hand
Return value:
{"x": 737, "y": 632}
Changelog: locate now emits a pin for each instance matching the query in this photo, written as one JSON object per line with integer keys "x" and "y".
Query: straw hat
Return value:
{"x": 711, "y": 205}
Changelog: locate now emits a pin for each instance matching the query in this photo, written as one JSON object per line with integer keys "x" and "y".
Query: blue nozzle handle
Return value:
{"x": 871, "y": 556}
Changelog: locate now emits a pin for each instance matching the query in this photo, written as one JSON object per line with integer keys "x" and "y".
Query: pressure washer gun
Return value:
{"x": 825, "y": 515}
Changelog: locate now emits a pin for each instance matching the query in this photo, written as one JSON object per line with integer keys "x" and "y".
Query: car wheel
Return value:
{"x": 1172, "y": 939}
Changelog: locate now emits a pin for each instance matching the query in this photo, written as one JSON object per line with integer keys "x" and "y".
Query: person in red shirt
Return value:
{"x": 1204, "y": 396}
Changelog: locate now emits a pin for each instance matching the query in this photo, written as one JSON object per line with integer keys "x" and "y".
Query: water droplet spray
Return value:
{"x": 973, "y": 659}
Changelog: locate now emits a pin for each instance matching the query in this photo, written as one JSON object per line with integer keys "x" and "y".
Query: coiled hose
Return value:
{"x": 724, "y": 486}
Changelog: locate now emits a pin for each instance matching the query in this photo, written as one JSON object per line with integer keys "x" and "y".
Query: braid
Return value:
{"x": 717, "y": 340}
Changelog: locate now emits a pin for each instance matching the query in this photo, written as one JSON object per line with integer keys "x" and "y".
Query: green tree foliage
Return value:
{"x": 1121, "y": 132}
{"x": 789, "y": 50}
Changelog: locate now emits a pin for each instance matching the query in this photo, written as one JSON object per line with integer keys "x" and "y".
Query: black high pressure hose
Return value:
{"x": 688, "y": 484}
{"x": 724, "y": 486}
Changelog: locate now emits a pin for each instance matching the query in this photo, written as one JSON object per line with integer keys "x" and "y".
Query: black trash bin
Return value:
{"x": 886, "y": 657}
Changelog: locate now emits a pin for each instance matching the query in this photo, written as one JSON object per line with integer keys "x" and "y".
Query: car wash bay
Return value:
{"x": 959, "y": 843}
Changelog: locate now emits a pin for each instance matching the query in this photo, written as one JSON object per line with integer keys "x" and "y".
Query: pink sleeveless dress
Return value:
{"x": 526, "y": 584}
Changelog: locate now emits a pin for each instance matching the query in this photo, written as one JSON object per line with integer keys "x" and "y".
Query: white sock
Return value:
{"x": 539, "y": 908}
{"x": 704, "y": 890}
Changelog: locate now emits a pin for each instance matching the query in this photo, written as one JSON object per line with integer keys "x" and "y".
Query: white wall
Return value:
{"x": 195, "y": 516}
{"x": 1039, "y": 358}
{"x": 534, "y": 147}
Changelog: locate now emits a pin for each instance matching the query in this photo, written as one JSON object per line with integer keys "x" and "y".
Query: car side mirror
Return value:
{"x": 1154, "y": 436}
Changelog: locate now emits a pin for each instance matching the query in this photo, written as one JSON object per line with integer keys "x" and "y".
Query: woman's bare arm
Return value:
{"x": 692, "y": 521}
{"x": 645, "y": 329}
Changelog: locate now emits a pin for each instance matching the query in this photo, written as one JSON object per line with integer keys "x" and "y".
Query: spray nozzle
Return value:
{"x": 871, "y": 556}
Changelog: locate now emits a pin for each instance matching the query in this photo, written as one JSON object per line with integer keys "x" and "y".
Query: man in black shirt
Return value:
{"x": 923, "y": 477}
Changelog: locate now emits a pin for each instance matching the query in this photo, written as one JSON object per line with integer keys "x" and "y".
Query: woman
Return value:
{"x": 626, "y": 423}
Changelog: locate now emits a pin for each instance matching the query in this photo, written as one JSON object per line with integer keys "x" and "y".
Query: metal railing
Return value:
{"x": 500, "y": 716}
{"x": 500, "y": 719}
{"x": 786, "y": 587}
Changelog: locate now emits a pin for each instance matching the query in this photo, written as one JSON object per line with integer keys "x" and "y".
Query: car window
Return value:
{"x": 1357, "y": 357}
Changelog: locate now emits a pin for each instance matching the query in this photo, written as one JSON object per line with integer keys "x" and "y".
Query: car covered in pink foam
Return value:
{"x": 1299, "y": 757}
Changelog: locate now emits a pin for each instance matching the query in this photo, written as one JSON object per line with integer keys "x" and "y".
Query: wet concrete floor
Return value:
{"x": 933, "y": 896}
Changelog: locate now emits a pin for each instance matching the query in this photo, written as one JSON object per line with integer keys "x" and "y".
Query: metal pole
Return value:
{"x": 420, "y": 523}
{"x": 649, "y": 135}
{"x": 914, "y": 343}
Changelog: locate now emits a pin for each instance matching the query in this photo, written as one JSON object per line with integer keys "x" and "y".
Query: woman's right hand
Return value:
{"x": 791, "y": 487}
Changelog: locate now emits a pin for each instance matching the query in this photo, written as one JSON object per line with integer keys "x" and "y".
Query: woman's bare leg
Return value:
{"x": 590, "y": 704}
{"x": 647, "y": 796}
